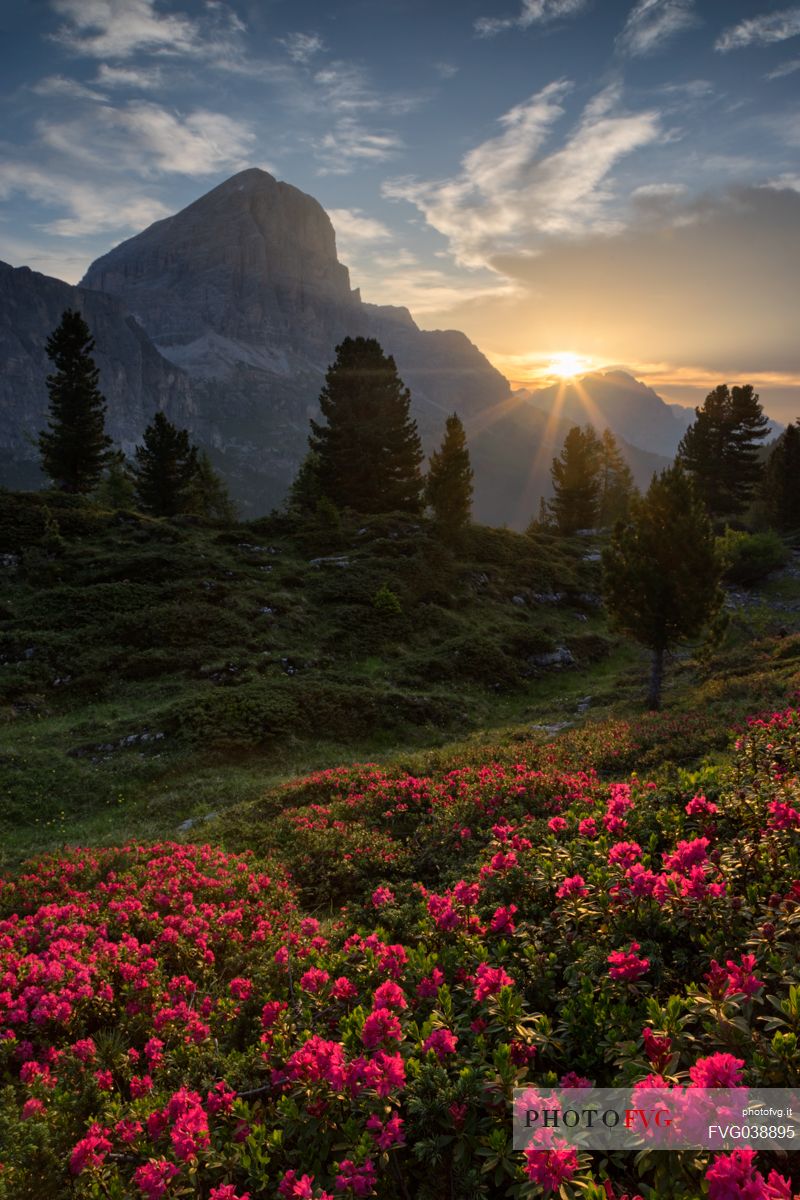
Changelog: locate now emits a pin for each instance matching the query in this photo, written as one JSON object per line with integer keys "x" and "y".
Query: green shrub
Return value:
{"x": 749, "y": 557}
{"x": 386, "y": 602}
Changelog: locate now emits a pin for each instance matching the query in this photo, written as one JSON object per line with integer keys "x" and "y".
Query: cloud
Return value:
{"x": 510, "y": 194}
{"x": 118, "y": 29}
{"x": 144, "y": 138}
{"x": 532, "y": 12}
{"x": 91, "y": 208}
{"x": 349, "y": 145}
{"x": 763, "y": 30}
{"x": 69, "y": 89}
{"x": 302, "y": 46}
{"x": 651, "y": 23}
{"x": 353, "y": 224}
{"x": 144, "y": 78}
{"x": 787, "y": 68}
{"x": 346, "y": 88}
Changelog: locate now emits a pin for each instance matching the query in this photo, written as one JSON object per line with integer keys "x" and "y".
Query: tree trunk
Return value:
{"x": 656, "y": 680}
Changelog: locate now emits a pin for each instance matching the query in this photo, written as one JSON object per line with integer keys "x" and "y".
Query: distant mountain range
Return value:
{"x": 227, "y": 315}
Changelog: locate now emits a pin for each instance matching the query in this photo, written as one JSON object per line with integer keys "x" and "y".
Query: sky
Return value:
{"x": 576, "y": 184}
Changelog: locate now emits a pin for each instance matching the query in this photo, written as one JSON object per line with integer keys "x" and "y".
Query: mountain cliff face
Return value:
{"x": 134, "y": 377}
{"x": 244, "y": 292}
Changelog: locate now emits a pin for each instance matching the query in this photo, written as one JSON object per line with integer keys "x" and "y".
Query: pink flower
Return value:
{"x": 734, "y": 1177}
{"x": 741, "y": 976}
{"x": 271, "y": 1011}
{"x": 314, "y": 979}
{"x": 573, "y": 885}
{"x": 382, "y": 896}
{"x": 657, "y": 1049}
{"x": 381, "y": 1026}
{"x": 389, "y": 1134}
{"x": 556, "y": 824}
{"x": 91, "y": 1150}
{"x": 220, "y": 1099}
{"x": 626, "y": 965}
{"x": 573, "y": 1080}
{"x": 296, "y": 1189}
{"x": 153, "y": 1178}
{"x": 624, "y": 854}
{"x": 140, "y": 1086}
{"x": 719, "y": 1070}
{"x": 389, "y": 995}
{"x": 503, "y": 919}
{"x": 587, "y": 828}
{"x": 343, "y": 989}
{"x": 359, "y": 1180}
{"x": 32, "y": 1108}
{"x": 240, "y": 989}
{"x": 226, "y": 1191}
{"x": 551, "y": 1165}
{"x": 105, "y": 1080}
{"x": 490, "y": 981}
{"x": 442, "y": 1042}
{"x": 699, "y": 805}
{"x": 427, "y": 988}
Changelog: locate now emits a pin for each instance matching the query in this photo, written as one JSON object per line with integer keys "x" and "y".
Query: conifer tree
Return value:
{"x": 306, "y": 490}
{"x": 448, "y": 488}
{"x": 720, "y": 448}
{"x": 74, "y": 448}
{"x": 576, "y": 481}
{"x": 206, "y": 494}
{"x": 116, "y": 489}
{"x": 617, "y": 488}
{"x": 661, "y": 572}
{"x": 369, "y": 449}
{"x": 781, "y": 488}
{"x": 165, "y": 466}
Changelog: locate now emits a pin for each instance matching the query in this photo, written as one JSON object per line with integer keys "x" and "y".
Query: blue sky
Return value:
{"x": 615, "y": 180}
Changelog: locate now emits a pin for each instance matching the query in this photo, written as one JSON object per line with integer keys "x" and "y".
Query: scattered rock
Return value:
{"x": 555, "y": 727}
{"x": 548, "y": 597}
{"x": 186, "y": 825}
{"x": 558, "y": 658}
{"x": 591, "y": 556}
{"x": 520, "y": 600}
{"x": 583, "y": 704}
{"x": 331, "y": 560}
{"x": 9, "y": 562}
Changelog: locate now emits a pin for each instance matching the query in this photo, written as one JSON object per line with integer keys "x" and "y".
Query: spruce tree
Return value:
{"x": 74, "y": 448}
{"x": 206, "y": 494}
{"x": 165, "y": 466}
{"x": 617, "y": 488}
{"x": 448, "y": 488}
{"x": 368, "y": 448}
{"x": 781, "y": 488}
{"x": 720, "y": 449}
{"x": 306, "y": 490}
{"x": 116, "y": 489}
{"x": 661, "y": 572}
{"x": 576, "y": 481}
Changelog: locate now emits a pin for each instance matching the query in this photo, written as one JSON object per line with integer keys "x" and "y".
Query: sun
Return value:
{"x": 567, "y": 365}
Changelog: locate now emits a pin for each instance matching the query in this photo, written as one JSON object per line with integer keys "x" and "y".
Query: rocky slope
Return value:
{"x": 135, "y": 379}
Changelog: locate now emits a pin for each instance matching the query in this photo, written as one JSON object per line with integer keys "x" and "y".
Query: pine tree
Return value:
{"x": 781, "y": 488}
{"x": 617, "y": 488}
{"x": 165, "y": 466}
{"x": 74, "y": 448}
{"x": 306, "y": 490}
{"x": 660, "y": 570}
{"x": 720, "y": 449}
{"x": 369, "y": 449}
{"x": 448, "y": 488}
{"x": 206, "y": 494}
{"x": 116, "y": 490}
{"x": 576, "y": 481}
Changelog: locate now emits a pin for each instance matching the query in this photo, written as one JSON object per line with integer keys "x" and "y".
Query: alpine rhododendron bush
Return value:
{"x": 349, "y": 1015}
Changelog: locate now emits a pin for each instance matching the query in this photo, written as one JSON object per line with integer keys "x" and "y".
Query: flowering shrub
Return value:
{"x": 176, "y": 1021}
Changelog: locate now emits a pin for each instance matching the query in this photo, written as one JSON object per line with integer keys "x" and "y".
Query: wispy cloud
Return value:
{"x": 356, "y": 231}
{"x": 787, "y": 68}
{"x": 762, "y": 30}
{"x": 145, "y": 139}
{"x": 119, "y": 29}
{"x": 143, "y": 78}
{"x": 301, "y": 47}
{"x": 349, "y": 144}
{"x": 90, "y": 208}
{"x": 532, "y": 12}
{"x": 346, "y": 88}
{"x": 652, "y": 23}
{"x": 509, "y": 194}
{"x": 69, "y": 89}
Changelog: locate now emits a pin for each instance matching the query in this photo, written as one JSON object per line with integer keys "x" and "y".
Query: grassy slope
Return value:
{"x": 157, "y": 628}
{"x": 116, "y": 627}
